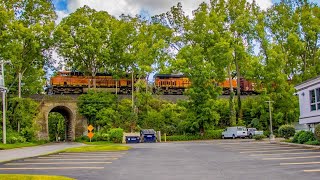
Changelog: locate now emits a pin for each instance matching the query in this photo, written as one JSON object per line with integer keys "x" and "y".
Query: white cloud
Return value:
{"x": 61, "y": 15}
{"x": 153, "y": 7}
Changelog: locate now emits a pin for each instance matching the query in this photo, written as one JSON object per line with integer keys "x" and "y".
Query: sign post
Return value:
{"x": 90, "y": 133}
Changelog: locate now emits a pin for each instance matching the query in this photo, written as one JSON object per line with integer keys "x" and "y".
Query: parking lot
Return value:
{"x": 223, "y": 159}
{"x": 286, "y": 158}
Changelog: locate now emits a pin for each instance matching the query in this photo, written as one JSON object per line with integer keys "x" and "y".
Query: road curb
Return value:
{"x": 299, "y": 145}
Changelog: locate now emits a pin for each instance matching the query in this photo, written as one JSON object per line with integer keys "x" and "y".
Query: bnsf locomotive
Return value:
{"x": 177, "y": 84}
{"x": 77, "y": 83}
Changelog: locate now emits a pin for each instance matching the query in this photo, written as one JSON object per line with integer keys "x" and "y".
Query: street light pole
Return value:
{"x": 270, "y": 114}
{"x": 3, "y": 89}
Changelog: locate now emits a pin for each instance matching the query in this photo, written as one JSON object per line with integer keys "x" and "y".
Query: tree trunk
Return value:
{"x": 201, "y": 127}
{"x": 116, "y": 86}
{"x": 231, "y": 101}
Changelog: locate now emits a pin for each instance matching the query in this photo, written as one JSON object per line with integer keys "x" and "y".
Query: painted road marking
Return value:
{"x": 280, "y": 150}
{"x": 244, "y": 143}
{"x": 96, "y": 153}
{"x": 299, "y": 163}
{"x": 268, "y": 148}
{"x": 70, "y": 158}
{"x": 277, "y": 154}
{"x": 43, "y": 163}
{"x": 312, "y": 170}
{"x": 283, "y": 158}
{"x": 54, "y": 159}
{"x": 76, "y": 156}
{"x": 51, "y": 168}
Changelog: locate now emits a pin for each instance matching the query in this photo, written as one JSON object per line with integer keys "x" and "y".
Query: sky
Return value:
{"x": 133, "y": 7}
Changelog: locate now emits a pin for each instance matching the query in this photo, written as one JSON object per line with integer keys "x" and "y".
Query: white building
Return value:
{"x": 309, "y": 101}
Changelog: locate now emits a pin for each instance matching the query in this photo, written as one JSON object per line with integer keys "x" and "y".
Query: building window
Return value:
{"x": 315, "y": 99}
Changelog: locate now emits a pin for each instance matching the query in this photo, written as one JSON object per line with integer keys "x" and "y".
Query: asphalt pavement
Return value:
{"x": 19, "y": 153}
{"x": 225, "y": 159}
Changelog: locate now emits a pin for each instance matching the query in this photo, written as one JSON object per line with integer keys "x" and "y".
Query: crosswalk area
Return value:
{"x": 65, "y": 161}
{"x": 289, "y": 158}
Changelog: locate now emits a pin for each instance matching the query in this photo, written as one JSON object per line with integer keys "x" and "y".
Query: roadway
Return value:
{"x": 225, "y": 159}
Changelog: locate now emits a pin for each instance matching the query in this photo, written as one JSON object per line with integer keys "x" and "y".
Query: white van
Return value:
{"x": 235, "y": 132}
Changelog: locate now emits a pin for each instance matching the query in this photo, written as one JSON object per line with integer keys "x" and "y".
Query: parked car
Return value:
{"x": 235, "y": 132}
{"x": 253, "y": 131}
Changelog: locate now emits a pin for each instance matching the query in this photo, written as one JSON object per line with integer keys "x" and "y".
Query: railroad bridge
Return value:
{"x": 66, "y": 105}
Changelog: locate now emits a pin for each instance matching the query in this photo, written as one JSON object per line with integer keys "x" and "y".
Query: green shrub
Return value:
{"x": 305, "y": 137}
{"x": 286, "y": 131}
{"x": 315, "y": 142}
{"x": 15, "y": 139}
{"x": 317, "y": 132}
{"x": 296, "y": 136}
{"x": 213, "y": 134}
{"x": 259, "y": 137}
{"x": 83, "y": 138}
{"x": 101, "y": 136}
{"x": 116, "y": 135}
{"x": 29, "y": 134}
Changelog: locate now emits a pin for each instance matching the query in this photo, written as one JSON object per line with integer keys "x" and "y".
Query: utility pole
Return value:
{"x": 272, "y": 139}
{"x": 3, "y": 89}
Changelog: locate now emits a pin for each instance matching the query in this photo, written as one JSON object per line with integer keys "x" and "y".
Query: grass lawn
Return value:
{"x": 99, "y": 143}
{"x": 18, "y": 145}
{"x": 31, "y": 177}
{"x": 98, "y": 146}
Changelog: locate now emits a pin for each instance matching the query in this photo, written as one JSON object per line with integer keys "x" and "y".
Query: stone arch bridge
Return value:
{"x": 66, "y": 105}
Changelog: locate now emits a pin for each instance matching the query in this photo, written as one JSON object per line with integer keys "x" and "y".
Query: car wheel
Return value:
{"x": 233, "y": 136}
{"x": 222, "y": 137}
{"x": 250, "y": 136}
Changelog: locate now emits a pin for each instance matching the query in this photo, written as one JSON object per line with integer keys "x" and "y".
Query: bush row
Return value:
{"x": 114, "y": 135}
{"x": 210, "y": 134}
{"x": 304, "y": 137}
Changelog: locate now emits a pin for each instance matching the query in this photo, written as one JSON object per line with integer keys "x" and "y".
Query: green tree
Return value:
{"x": 29, "y": 41}
{"x": 83, "y": 39}
{"x": 57, "y": 127}
{"x": 92, "y": 103}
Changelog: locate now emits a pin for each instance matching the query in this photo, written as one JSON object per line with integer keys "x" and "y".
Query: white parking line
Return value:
{"x": 79, "y": 156}
{"x": 277, "y": 154}
{"x": 95, "y": 153}
{"x": 312, "y": 170}
{"x": 56, "y": 159}
{"x": 283, "y": 158}
{"x": 281, "y": 150}
{"x": 299, "y": 163}
{"x": 262, "y": 148}
{"x": 52, "y": 163}
{"x": 51, "y": 168}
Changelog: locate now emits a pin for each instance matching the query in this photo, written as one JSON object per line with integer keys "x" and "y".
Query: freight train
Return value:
{"x": 177, "y": 84}
{"x": 67, "y": 82}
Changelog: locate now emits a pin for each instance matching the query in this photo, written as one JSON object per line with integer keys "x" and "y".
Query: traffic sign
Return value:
{"x": 90, "y": 128}
{"x": 90, "y": 135}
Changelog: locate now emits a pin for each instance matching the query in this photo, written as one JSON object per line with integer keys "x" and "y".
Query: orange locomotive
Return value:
{"x": 67, "y": 82}
{"x": 177, "y": 84}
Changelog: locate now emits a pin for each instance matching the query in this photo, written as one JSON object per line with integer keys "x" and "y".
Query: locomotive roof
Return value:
{"x": 169, "y": 75}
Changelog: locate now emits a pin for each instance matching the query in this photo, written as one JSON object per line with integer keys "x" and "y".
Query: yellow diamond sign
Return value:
{"x": 90, "y": 128}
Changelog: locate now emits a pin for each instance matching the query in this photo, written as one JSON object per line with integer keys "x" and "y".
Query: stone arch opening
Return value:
{"x": 69, "y": 120}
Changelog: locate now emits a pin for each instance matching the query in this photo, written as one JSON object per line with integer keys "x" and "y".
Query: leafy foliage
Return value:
{"x": 295, "y": 138}
{"x": 286, "y": 131}
{"x": 57, "y": 127}
{"x": 305, "y": 137}
{"x": 116, "y": 135}
{"x": 259, "y": 137}
{"x": 317, "y": 132}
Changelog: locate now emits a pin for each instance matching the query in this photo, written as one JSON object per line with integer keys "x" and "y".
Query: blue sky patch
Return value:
{"x": 60, "y": 5}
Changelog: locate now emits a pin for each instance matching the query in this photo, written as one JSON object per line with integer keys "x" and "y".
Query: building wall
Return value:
{"x": 306, "y": 115}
